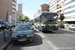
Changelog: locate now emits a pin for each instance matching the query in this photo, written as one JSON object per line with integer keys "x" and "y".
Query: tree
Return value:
{"x": 62, "y": 17}
{"x": 26, "y": 18}
{"x": 32, "y": 20}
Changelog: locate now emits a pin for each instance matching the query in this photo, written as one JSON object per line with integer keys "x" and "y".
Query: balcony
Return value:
{"x": 14, "y": 0}
{"x": 13, "y": 10}
{"x": 13, "y": 3}
{"x": 13, "y": 7}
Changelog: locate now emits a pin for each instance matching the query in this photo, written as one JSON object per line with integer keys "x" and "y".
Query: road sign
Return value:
{"x": 19, "y": 9}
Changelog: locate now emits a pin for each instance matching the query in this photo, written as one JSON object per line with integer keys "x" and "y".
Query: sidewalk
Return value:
{"x": 3, "y": 44}
{"x": 67, "y": 29}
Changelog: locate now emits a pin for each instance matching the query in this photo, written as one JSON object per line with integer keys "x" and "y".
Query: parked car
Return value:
{"x": 32, "y": 23}
{"x": 22, "y": 33}
{"x": 72, "y": 27}
{"x": 61, "y": 26}
{"x": 28, "y": 24}
{"x": 2, "y": 23}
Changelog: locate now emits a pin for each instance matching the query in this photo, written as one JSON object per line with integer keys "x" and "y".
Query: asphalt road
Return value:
{"x": 60, "y": 40}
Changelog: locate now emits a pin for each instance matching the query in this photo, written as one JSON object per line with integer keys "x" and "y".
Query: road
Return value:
{"x": 60, "y": 40}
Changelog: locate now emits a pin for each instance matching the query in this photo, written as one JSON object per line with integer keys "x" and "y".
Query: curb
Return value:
{"x": 5, "y": 45}
{"x": 67, "y": 30}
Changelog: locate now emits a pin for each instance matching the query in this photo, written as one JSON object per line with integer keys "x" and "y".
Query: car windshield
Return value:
{"x": 22, "y": 27}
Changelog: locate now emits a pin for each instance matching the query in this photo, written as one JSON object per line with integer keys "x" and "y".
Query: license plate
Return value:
{"x": 22, "y": 40}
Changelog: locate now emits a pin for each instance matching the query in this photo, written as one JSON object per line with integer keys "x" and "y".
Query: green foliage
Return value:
{"x": 32, "y": 20}
{"x": 26, "y": 18}
{"x": 62, "y": 22}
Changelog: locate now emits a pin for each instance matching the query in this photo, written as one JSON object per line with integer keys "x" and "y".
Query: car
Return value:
{"x": 72, "y": 27}
{"x": 2, "y": 23}
{"x": 22, "y": 34}
{"x": 28, "y": 24}
{"x": 32, "y": 23}
{"x": 61, "y": 26}
{"x": 13, "y": 23}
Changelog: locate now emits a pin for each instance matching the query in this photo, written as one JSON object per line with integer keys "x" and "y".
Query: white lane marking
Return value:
{"x": 69, "y": 35}
{"x": 52, "y": 45}
{"x": 42, "y": 35}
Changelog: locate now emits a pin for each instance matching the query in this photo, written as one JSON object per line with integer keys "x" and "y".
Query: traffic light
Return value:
{"x": 62, "y": 17}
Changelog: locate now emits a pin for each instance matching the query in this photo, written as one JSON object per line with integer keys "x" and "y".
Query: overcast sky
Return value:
{"x": 31, "y": 6}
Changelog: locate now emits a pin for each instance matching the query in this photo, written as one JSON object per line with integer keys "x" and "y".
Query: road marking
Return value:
{"x": 42, "y": 35}
{"x": 52, "y": 45}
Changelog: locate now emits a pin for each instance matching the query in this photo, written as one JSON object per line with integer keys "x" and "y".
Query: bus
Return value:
{"x": 46, "y": 21}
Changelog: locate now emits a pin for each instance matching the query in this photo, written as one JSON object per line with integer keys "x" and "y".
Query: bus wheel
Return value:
{"x": 39, "y": 28}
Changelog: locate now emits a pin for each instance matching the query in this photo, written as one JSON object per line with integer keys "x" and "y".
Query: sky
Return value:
{"x": 31, "y": 6}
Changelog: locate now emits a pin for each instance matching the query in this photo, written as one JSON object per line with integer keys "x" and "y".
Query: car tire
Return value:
{"x": 39, "y": 29}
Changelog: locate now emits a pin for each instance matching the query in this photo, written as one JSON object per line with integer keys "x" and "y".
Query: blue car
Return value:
{"x": 22, "y": 34}
{"x": 2, "y": 23}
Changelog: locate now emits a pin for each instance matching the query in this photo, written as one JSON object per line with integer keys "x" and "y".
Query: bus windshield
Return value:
{"x": 50, "y": 19}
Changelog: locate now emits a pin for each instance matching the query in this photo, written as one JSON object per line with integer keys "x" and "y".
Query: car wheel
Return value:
{"x": 39, "y": 29}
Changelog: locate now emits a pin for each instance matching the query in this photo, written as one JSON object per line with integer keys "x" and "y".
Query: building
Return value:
{"x": 44, "y": 7}
{"x": 14, "y": 9}
{"x": 67, "y": 7}
{"x": 7, "y": 6}
{"x": 70, "y": 11}
{"x": 57, "y": 6}
{"x": 38, "y": 12}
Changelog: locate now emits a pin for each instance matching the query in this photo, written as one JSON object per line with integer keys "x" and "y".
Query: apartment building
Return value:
{"x": 7, "y": 6}
{"x": 57, "y": 6}
{"x": 14, "y": 9}
{"x": 44, "y": 7}
{"x": 67, "y": 7}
